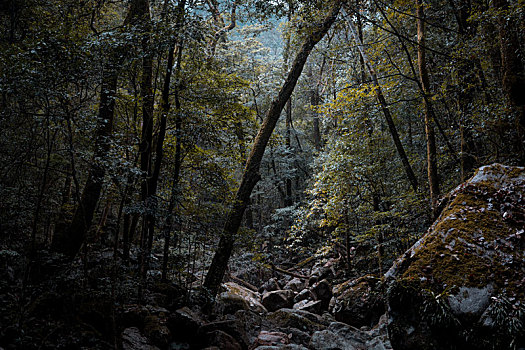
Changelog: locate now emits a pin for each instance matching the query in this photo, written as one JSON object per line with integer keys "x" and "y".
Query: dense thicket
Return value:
{"x": 126, "y": 125}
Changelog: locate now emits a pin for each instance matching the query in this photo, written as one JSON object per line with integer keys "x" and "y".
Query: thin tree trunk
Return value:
{"x": 40, "y": 198}
{"x": 288, "y": 200}
{"x": 513, "y": 80}
{"x": 432, "y": 171}
{"x": 427, "y": 101}
{"x": 146, "y": 143}
{"x": 165, "y": 105}
{"x": 251, "y": 175}
{"x": 386, "y": 112}
{"x": 314, "y": 102}
{"x": 469, "y": 150}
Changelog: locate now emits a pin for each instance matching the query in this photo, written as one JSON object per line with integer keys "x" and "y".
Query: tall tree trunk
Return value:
{"x": 513, "y": 79}
{"x": 386, "y": 111}
{"x": 70, "y": 240}
{"x": 146, "y": 142}
{"x": 427, "y": 101}
{"x": 288, "y": 122}
{"x": 251, "y": 175}
{"x": 288, "y": 200}
{"x": 165, "y": 105}
{"x": 432, "y": 172}
{"x": 469, "y": 150}
{"x": 314, "y": 102}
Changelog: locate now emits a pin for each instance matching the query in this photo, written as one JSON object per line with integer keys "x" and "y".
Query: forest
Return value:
{"x": 250, "y": 174}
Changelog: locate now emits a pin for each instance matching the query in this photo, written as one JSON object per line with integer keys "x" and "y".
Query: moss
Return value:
{"x": 468, "y": 245}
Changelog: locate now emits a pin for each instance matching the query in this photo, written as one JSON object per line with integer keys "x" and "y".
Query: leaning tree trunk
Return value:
{"x": 251, "y": 175}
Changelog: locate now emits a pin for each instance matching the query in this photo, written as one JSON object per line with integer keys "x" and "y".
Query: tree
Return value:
{"x": 513, "y": 79}
{"x": 386, "y": 112}
{"x": 251, "y": 175}
{"x": 71, "y": 239}
{"x": 432, "y": 171}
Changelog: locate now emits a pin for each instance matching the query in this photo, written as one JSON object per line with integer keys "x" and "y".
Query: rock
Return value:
{"x": 278, "y": 299}
{"x": 294, "y": 284}
{"x": 301, "y": 320}
{"x": 323, "y": 292}
{"x": 93, "y": 310}
{"x": 156, "y": 330}
{"x": 249, "y": 324}
{"x": 303, "y": 295}
{"x": 247, "y": 268}
{"x": 328, "y": 340}
{"x": 223, "y": 341}
{"x": 184, "y": 324}
{"x": 236, "y": 297}
{"x": 281, "y": 347}
{"x": 469, "y": 303}
{"x": 169, "y": 295}
{"x": 230, "y": 326}
{"x": 272, "y": 338}
{"x": 309, "y": 305}
{"x": 345, "y": 337}
{"x": 320, "y": 272}
{"x": 359, "y": 302}
{"x": 270, "y": 286}
{"x": 471, "y": 257}
{"x": 132, "y": 339}
{"x": 297, "y": 336}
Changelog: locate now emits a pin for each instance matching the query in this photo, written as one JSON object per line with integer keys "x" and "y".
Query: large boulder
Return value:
{"x": 462, "y": 285}
{"x": 359, "y": 302}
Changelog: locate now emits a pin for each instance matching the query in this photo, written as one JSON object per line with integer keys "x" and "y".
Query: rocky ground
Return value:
{"x": 462, "y": 286}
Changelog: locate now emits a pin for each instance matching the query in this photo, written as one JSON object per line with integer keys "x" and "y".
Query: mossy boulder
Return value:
{"x": 462, "y": 284}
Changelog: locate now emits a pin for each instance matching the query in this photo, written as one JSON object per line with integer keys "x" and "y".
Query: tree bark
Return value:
{"x": 71, "y": 239}
{"x": 314, "y": 102}
{"x": 165, "y": 106}
{"x": 251, "y": 175}
{"x": 146, "y": 144}
{"x": 469, "y": 150}
{"x": 432, "y": 171}
{"x": 288, "y": 199}
{"x": 513, "y": 79}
